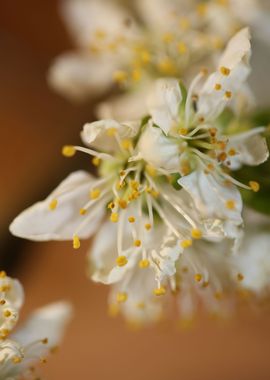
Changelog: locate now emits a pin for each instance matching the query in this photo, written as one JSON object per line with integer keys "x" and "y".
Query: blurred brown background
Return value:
{"x": 35, "y": 123}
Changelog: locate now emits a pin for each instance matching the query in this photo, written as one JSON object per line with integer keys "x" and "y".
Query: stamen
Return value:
{"x": 53, "y": 204}
{"x": 122, "y": 203}
{"x": 186, "y": 243}
{"x": 121, "y": 261}
{"x": 196, "y": 233}
{"x": 3, "y": 274}
{"x": 225, "y": 71}
{"x": 121, "y": 297}
{"x": 144, "y": 263}
{"x": 114, "y": 217}
{"x": 240, "y": 277}
{"x": 228, "y": 94}
{"x": 198, "y": 277}
{"x": 120, "y": 76}
{"x": 96, "y": 161}
{"x": 76, "y": 242}
{"x": 161, "y": 291}
{"x": 218, "y": 87}
{"x": 131, "y": 219}
{"x": 230, "y": 204}
{"x": 148, "y": 226}
{"x": 137, "y": 243}
{"x": 68, "y": 151}
{"x": 83, "y": 211}
{"x": 255, "y": 186}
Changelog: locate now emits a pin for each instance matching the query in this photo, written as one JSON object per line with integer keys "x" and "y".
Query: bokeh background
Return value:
{"x": 35, "y": 123}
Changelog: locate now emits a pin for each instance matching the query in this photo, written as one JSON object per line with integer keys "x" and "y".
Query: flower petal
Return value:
{"x": 251, "y": 148}
{"x": 40, "y": 223}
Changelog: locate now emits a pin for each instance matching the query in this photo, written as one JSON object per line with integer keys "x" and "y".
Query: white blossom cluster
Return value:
{"x": 165, "y": 210}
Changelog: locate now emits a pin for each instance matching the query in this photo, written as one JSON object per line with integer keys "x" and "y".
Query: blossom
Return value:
{"x": 21, "y": 350}
{"x": 191, "y": 137}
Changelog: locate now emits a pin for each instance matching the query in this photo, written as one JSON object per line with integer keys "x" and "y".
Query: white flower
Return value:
{"x": 35, "y": 340}
{"x": 191, "y": 140}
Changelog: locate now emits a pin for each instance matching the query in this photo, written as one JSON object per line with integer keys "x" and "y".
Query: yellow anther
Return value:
{"x": 7, "y": 313}
{"x": 136, "y": 75}
{"x": 111, "y": 205}
{"x": 45, "y": 341}
{"x": 181, "y": 48}
{"x": 131, "y": 219}
{"x": 114, "y": 217}
{"x": 205, "y": 284}
{"x": 113, "y": 310}
{"x": 255, "y": 186}
{"x": 185, "y": 269}
{"x": 4, "y": 333}
{"x": 218, "y": 87}
{"x": 218, "y": 296}
{"x": 5, "y": 288}
{"x": 184, "y": 23}
{"x": 68, "y": 151}
{"x": 100, "y": 34}
{"x": 111, "y": 132}
{"x": 232, "y": 152}
{"x": 151, "y": 170}
{"x": 230, "y": 204}
{"x": 76, "y": 242}
{"x": 140, "y": 305}
{"x": 120, "y": 76}
{"x": 126, "y": 144}
{"x": 222, "y": 157}
{"x": 210, "y": 167}
{"x": 121, "y": 297}
{"x": 185, "y": 168}
{"x": 198, "y": 277}
{"x": 120, "y": 185}
{"x": 95, "y": 161}
{"x": 145, "y": 56}
{"x": 134, "y": 185}
{"x": 16, "y": 359}
{"x": 196, "y": 233}
{"x": 168, "y": 38}
{"x": 53, "y": 204}
{"x": 144, "y": 263}
{"x": 212, "y": 132}
{"x": 3, "y": 274}
{"x": 228, "y": 94}
{"x": 137, "y": 243}
{"x": 161, "y": 291}
{"x": 122, "y": 173}
{"x": 121, "y": 261}
{"x": 122, "y": 203}
{"x": 147, "y": 226}
{"x": 186, "y": 243}
{"x": 167, "y": 66}
{"x": 94, "y": 193}
{"x": 43, "y": 360}
{"x": 240, "y": 277}
{"x": 202, "y": 9}
{"x": 183, "y": 131}
{"x": 2, "y": 302}
{"x": 225, "y": 71}
{"x": 83, "y": 211}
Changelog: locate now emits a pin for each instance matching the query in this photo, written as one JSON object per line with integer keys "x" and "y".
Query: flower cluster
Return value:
{"x": 22, "y": 350}
{"x": 165, "y": 208}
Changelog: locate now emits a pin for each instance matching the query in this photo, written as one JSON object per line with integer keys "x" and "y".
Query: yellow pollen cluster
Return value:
{"x": 196, "y": 233}
{"x": 161, "y": 291}
{"x": 121, "y": 261}
{"x": 230, "y": 204}
{"x": 151, "y": 170}
{"x": 183, "y": 131}
{"x": 95, "y": 161}
{"x": 147, "y": 226}
{"x": 225, "y": 71}
{"x": 240, "y": 277}
{"x": 182, "y": 48}
{"x": 228, "y": 94}
{"x": 120, "y": 76}
{"x": 126, "y": 144}
{"x": 53, "y": 204}
{"x": 198, "y": 277}
{"x": 122, "y": 203}
{"x": 121, "y": 297}
{"x": 114, "y": 217}
{"x": 167, "y": 66}
{"x": 7, "y": 313}
{"x": 83, "y": 211}
{"x": 137, "y": 243}
{"x": 2, "y": 302}
{"x": 144, "y": 263}
{"x": 186, "y": 243}
{"x": 255, "y": 186}
{"x": 94, "y": 193}
{"x": 3, "y": 274}
{"x": 76, "y": 242}
{"x": 218, "y": 87}
{"x": 232, "y": 152}
{"x": 16, "y": 359}
{"x": 131, "y": 219}
{"x": 68, "y": 151}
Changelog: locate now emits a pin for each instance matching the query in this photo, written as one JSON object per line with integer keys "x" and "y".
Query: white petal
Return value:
{"x": 158, "y": 150}
{"x": 40, "y": 223}
{"x": 235, "y": 58}
{"x": 47, "y": 322}
{"x": 80, "y": 76}
{"x": 164, "y": 102}
{"x": 85, "y": 18}
{"x": 251, "y": 148}
{"x": 210, "y": 196}
{"x": 97, "y": 134}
